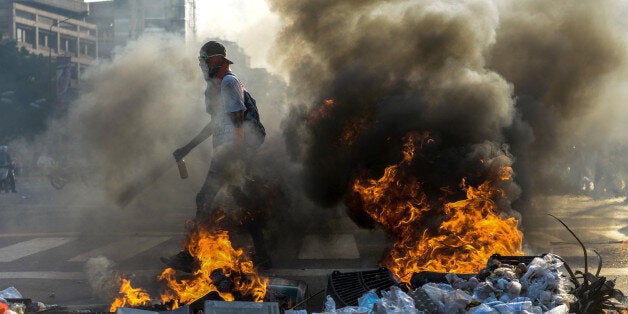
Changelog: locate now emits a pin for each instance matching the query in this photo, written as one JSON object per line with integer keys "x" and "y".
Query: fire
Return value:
{"x": 129, "y": 295}
{"x": 471, "y": 231}
{"x": 350, "y": 128}
{"x": 214, "y": 251}
{"x": 215, "y": 256}
{"x": 323, "y": 111}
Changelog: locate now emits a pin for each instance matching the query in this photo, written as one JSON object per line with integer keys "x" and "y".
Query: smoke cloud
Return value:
{"x": 565, "y": 61}
{"x": 101, "y": 277}
{"x": 533, "y": 79}
{"x": 429, "y": 76}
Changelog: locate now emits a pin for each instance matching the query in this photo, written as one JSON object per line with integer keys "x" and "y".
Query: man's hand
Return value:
{"x": 181, "y": 152}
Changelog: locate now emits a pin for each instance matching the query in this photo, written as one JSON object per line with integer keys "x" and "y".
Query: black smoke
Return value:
{"x": 421, "y": 70}
{"x": 528, "y": 77}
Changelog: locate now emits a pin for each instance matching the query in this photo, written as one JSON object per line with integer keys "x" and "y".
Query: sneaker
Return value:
{"x": 182, "y": 261}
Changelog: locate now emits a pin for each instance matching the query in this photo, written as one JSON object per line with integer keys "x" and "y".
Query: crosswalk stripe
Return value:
{"x": 54, "y": 275}
{"x": 16, "y": 251}
{"x": 122, "y": 249}
{"x": 613, "y": 234}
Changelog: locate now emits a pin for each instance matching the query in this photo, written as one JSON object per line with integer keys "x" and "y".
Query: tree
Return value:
{"x": 25, "y": 102}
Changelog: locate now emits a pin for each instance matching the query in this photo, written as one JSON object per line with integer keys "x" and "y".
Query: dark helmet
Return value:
{"x": 214, "y": 48}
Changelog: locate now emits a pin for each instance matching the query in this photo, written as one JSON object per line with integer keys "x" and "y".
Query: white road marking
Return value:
{"x": 122, "y": 249}
{"x": 613, "y": 234}
{"x": 16, "y": 251}
{"x": 54, "y": 275}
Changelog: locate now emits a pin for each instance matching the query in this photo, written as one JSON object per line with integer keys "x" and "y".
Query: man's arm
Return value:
{"x": 237, "y": 118}
{"x": 232, "y": 94}
{"x": 202, "y": 136}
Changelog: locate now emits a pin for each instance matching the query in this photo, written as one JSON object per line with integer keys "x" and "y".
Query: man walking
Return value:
{"x": 225, "y": 103}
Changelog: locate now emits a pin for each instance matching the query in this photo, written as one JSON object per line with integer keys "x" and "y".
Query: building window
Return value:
{"x": 25, "y": 34}
{"x": 45, "y": 20}
{"x": 20, "y": 35}
{"x": 68, "y": 26}
{"x": 43, "y": 39}
{"x": 88, "y": 49}
{"x": 25, "y": 15}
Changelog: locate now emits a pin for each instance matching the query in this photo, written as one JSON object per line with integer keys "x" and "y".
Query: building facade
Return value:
{"x": 121, "y": 21}
{"x": 53, "y": 28}
{"x": 84, "y": 30}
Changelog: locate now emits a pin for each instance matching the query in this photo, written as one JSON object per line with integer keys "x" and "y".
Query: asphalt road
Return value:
{"x": 47, "y": 236}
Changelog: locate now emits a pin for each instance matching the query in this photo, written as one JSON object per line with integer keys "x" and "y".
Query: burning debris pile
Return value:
{"x": 468, "y": 231}
{"x": 220, "y": 272}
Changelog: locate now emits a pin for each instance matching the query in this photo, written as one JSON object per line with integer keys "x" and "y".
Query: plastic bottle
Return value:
{"x": 183, "y": 170}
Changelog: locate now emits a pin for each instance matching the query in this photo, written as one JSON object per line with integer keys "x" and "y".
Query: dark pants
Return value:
{"x": 214, "y": 181}
{"x": 223, "y": 158}
{"x": 11, "y": 178}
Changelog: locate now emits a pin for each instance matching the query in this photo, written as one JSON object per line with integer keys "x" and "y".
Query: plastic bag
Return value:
{"x": 367, "y": 300}
{"x": 395, "y": 301}
{"x": 351, "y": 310}
{"x": 330, "y": 305}
{"x": 10, "y": 293}
{"x": 436, "y": 293}
{"x": 483, "y": 309}
{"x": 561, "y": 309}
{"x": 456, "y": 300}
{"x": 520, "y": 306}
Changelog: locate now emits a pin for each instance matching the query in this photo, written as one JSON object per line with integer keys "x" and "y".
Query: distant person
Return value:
{"x": 233, "y": 140}
{"x": 8, "y": 163}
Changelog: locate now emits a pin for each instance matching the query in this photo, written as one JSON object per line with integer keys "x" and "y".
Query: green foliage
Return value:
{"x": 24, "y": 92}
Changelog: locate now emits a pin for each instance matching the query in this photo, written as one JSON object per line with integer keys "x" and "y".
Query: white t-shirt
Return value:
{"x": 231, "y": 100}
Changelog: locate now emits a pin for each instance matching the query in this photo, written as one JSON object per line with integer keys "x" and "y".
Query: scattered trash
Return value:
{"x": 10, "y": 293}
{"x": 525, "y": 284}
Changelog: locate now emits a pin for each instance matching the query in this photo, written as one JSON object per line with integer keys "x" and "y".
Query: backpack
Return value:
{"x": 251, "y": 115}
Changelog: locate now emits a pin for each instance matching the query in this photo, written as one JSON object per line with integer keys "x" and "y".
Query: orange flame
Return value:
{"x": 323, "y": 111}
{"x": 350, "y": 128}
{"x": 471, "y": 232}
{"x": 213, "y": 251}
{"x": 129, "y": 295}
